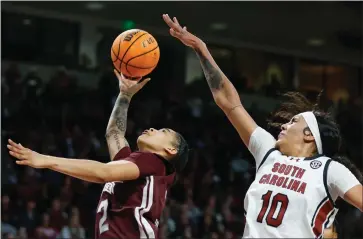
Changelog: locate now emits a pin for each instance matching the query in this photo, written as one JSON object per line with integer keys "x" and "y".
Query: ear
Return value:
{"x": 171, "y": 151}
{"x": 308, "y": 136}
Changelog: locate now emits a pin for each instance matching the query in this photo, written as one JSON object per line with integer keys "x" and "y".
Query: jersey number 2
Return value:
{"x": 270, "y": 219}
{"x": 103, "y": 226}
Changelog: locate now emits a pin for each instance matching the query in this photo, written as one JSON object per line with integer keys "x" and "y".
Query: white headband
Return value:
{"x": 314, "y": 128}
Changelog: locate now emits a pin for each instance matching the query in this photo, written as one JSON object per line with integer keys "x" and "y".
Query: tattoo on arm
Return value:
{"x": 119, "y": 139}
{"x": 117, "y": 123}
{"x": 119, "y": 113}
{"x": 212, "y": 74}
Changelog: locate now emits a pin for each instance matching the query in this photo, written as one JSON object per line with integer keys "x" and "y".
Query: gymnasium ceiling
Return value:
{"x": 271, "y": 25}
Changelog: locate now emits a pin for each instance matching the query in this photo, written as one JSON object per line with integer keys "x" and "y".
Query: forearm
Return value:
{"x": 117, "y": 124}
{"x": 224, "y": 93}
{"x": 118, "y": 118}
{"x": 83, "y": 169}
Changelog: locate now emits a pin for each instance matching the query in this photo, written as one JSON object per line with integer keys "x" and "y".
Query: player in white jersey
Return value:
{"x": 298, "y": 177}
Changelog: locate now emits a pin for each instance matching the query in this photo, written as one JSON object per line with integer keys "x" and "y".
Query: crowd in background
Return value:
{"x": 62, "y": 119}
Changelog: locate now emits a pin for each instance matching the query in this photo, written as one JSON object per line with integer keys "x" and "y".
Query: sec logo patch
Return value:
{"x": 315, "y": 164}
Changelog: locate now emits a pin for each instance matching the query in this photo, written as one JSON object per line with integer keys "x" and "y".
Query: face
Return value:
{"x": 56, "y": 205}
{"x": 31, "y": 205}
{"x": 22, "y": 232}
{"x": 158, "y": 141}
{"x": 292, "y": 135}
{"x": 5, "y": 200}
{"x": 45, "y": 219}
{"x": 74, "y": 220}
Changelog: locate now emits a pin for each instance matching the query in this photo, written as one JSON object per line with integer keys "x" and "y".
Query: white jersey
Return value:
{"x": 291, "y": 196}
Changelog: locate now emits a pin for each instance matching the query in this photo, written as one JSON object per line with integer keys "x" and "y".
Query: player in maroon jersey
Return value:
{"x": 136, "y": 183}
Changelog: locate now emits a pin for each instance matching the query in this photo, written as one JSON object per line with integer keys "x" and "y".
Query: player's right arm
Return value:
{"x": 225, "y": 94}
{"x": 136, "y": 165}
{"x": 116, "y": 128}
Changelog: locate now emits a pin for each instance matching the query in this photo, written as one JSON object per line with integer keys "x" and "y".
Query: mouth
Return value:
{"x": 281, "y": 135}
{"x": 145, "y": 132}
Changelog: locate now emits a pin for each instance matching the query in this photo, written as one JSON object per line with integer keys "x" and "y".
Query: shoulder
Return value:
{"x": 126, "y": 154}
{"x": 138, "y": 155}
{"x": 148, "y": 163}
{"x": 123, "y": 153}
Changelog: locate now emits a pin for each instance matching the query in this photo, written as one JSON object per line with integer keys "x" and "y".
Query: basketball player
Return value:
{"x": 136, "y": 183}
{"x": 298, "y": 177}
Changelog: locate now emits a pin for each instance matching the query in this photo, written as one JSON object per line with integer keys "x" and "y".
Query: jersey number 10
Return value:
{"x": 271, "y": 208}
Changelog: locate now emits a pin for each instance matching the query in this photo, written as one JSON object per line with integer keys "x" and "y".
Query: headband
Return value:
{"x": 314, "y": 128}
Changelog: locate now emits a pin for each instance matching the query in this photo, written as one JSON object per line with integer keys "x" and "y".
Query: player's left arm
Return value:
{"x": 116, "y": 128}
{"x": 344, "y": 184}
{"x": 83, "y": 169}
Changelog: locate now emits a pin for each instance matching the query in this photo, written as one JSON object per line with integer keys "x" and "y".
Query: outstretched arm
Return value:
{"x": 87, "y": 170}
{"x": 224, "y": 93}
{"x": 116, "y": 128}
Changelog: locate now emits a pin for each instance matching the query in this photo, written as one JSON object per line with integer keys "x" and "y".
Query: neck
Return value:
{"x": 144, "y": 148}
{"x": 303, "y": 151}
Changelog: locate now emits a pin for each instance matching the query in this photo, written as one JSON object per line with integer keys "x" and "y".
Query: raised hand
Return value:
{"x": 26, "y": 156}
{"x": 181, "y": 33}
{"x": 129, "y": 87}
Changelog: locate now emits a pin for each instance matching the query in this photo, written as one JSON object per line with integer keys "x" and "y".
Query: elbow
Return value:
{"x": 100, "y": 180}
{"x": 218, "y": 98}
{"x": 103, "y": 174}
{"x": 225, "y": 103}
{"x": 221, "y": 100}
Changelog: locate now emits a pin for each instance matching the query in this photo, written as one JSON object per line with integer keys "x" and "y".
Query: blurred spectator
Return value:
{"x": 66, "y": 193}
{"x": 22, "y": 233}
{"x": 29, "y": 219}
{"x": 45, "y": 231}
{"x": 73, "y": 230}
{"x": 7, "y": 229}
{"x": 57, "y": 216}
{"x": 6, "y": 209}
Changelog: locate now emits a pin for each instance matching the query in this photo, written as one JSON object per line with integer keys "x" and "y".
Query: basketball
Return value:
{"x": 135, "y": 53}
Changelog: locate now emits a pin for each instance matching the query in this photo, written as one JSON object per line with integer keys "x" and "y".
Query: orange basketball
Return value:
{"x": 135, "y": 53}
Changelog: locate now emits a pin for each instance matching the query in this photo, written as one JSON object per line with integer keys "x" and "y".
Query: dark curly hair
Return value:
{"x": 294, "y": 103}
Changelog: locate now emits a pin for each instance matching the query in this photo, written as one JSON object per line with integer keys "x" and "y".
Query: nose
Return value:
{"x": 283, "y": 127}
{"x": 152, "y": 129}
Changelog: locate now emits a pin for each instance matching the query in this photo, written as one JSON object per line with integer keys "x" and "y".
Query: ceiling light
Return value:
{"x": 94, "y": 6}
{"x": 315, "y": 42}
{"x": 218, "y": 26}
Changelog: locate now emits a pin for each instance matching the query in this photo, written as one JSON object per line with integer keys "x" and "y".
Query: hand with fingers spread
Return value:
{"x": 130, "y": 87}
{"x": 26, "y": 156}
{"x": 181, "y": 33}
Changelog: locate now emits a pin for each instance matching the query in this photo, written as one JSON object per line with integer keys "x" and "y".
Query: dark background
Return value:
{"x": 58, "y": 90}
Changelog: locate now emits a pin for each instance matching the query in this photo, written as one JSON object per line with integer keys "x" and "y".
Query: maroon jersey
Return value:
{"x": 132, "y": 209}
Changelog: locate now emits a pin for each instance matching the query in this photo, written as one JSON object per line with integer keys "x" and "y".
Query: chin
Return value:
{"x": 143, "y": 139}
{"x": 278, "y": 144}
{"x": 140, "y": 138}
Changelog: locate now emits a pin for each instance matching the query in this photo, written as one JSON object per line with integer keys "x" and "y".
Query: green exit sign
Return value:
{"x": 128, "y": 24}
